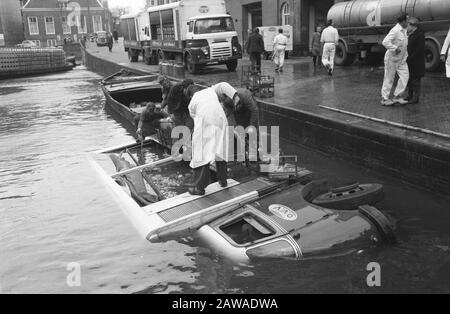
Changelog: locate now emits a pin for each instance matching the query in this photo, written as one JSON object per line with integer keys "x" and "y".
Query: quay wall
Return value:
{"x": 419, "y": 159}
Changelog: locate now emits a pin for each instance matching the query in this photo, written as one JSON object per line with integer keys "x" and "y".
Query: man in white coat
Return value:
{"x": 329, "y": 40}
{"x": 209, "y": 140}
{"x": 395, "y": 62}
{"x": 444, "y": 54}
{"x": 279, "y": 50}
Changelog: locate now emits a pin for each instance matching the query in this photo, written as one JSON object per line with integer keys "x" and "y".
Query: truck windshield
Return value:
{"x": 214, "y": 25}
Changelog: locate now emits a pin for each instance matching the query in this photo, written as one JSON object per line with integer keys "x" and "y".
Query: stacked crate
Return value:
{"x": 18, "y": 60}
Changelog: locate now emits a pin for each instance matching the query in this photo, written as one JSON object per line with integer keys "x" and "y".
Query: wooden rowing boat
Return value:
{"x": 127, "y": 93}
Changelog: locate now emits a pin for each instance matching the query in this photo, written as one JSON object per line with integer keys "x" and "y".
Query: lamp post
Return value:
{"x": 62, "y": 5}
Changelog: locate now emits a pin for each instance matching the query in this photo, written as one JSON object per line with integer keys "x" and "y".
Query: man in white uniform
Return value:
{"x": 279, "y": 50}
{"x": 395, "y": 62}
{"x": 444, "y": 54}
{"x": 329, "y": 40}
{"x": 208, "y": 140}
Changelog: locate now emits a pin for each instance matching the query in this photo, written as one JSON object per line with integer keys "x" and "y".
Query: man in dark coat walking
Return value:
{"x": 416, "y": 60}
{"x": 255, "y": 47}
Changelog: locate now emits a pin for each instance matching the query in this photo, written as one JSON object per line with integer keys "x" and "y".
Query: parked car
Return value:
{"x": 27, "y": 44}
{"x": 102, "y": 39}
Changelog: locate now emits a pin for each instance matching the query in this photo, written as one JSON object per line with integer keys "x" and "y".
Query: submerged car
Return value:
{"x": 252, "y": 218}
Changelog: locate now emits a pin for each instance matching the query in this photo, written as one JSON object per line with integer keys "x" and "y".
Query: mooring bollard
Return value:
{"x": 169, "y": 68}
{"x": 179, "y": 70}
{"x": 165, "y": 68}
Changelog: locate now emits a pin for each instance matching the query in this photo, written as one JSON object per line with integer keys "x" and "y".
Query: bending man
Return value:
{"x": 208, "y": 140}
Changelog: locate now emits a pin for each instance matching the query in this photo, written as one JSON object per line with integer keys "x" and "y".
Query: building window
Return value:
{"x": 65, "y": 26}
{"x": 285, "y": 14}
{"x": 33, "y": 25}
{"x": 37, "y": 42}
{"x": 51, "y": 43}
{"x": 49, "y": 25}
{"x": 81, "y": 25}
{"x": 97, "y": 22}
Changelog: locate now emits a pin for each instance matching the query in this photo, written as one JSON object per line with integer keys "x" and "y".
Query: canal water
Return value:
{"x": 56, "y": 215}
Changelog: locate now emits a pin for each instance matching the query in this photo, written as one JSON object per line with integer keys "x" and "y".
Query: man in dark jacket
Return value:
{"x": 416, "y": 60}
{"x": 255, "y": 47}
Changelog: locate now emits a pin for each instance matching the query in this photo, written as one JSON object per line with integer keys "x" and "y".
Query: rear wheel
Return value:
{"x": 132, "y": 56}
{"x": 432, "y": 56}
{"x": 232, "y": 65}
{"x": 191, "y": 67}
{"x": 343, "y": 57}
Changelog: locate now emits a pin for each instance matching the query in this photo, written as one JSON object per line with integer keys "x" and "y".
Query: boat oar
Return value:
{"x": 147, "y": 166}
{"x": 148, "y": 179}
{"x": 199, "y": 219}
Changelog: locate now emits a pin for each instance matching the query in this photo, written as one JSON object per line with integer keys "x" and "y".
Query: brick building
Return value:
{"x": 11, "y": 29}
{"x": 51, "y": 22}
{"x": 302, "y": 15}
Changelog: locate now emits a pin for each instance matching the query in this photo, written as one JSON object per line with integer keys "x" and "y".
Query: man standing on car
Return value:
{"x": 255, "y": 47}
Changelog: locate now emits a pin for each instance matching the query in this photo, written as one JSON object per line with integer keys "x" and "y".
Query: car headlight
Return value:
{"x": 205, "y": 50}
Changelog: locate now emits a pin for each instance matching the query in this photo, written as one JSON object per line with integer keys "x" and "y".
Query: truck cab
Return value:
{"x": 211, "y": 39}
{"x": 194, "y": 32}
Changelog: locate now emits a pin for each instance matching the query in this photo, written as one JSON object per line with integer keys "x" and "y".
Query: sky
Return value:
{"x": 134, "y": 4}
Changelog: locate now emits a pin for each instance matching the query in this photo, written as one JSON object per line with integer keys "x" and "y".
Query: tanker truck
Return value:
{"x": 194, "y": 32}
{"x": 363, "y": 24}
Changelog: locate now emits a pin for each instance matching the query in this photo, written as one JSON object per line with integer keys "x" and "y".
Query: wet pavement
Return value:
{"x": 353, "y": 90}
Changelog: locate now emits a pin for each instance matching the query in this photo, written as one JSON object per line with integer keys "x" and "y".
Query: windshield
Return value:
{"x": 214, "y": 25}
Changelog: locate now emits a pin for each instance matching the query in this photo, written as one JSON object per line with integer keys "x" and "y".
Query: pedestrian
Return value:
{"x": 255, "y": 47}
{"x": 329, "y": 41}
{"x": 148, "y": 120}
{"x": 208, "y": 140}
{"x": 395, "y": 62}
{"x": 444, "y": 54}
{"x": 110, "y": 41}
{"x": 316, "y": 46}
{"x": 116, "y": 36}
{"x": 166, "y": 86}
{"x": 416, "y": 60}
{"x": 279, "y": 50}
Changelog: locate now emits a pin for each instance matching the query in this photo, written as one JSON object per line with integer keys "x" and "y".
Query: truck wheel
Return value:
{"x": 432, "y": 56}
{"x": 191, "y": 67}
{"x": 232, "y": 65}
{"x": 132, "y": 57}
{"x": 343, "y": 57}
